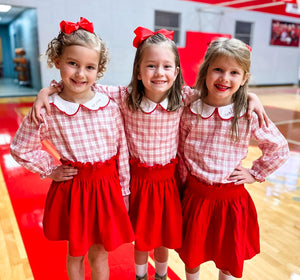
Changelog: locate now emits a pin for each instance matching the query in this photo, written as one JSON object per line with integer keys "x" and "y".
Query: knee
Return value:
{"x": 98, "y": 257}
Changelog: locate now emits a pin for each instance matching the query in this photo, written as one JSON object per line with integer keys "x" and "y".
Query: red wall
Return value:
{"x": 192, "y": 55}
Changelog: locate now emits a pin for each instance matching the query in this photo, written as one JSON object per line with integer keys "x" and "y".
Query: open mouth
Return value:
{"x": 221, "y": 87}
{"x": 78, "y": 83}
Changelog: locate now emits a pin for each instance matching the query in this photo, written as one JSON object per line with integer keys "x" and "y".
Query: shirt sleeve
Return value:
{"x": 183, "y": 133}
{"x": 26, "y": 148}
{"x": 116, "y": 93}
{"x": 123, "y": 158}
{"x": 189, "y": 95}
{"x": 274, "y": 147}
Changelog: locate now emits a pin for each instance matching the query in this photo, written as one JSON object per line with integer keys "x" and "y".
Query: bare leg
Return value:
{"x": 161, "y": 256}
{"x": 75, "y": 267}
{"x": 141, "y": 262}
{"x": 225, "y": 275}
{"x": 192, "y": 273}
{"x": 98, "y": 260}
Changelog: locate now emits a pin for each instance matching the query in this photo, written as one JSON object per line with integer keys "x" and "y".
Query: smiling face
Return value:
{"x": 157, "y": 71}
{"x": 224, "y": 77}
{"x": 78, "y": 67}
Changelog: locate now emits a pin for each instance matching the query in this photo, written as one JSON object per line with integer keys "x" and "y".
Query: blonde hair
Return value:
{"x": 79, "y": 37}
{"x": 136, "y": 86}
{"x": 241, "y": 53}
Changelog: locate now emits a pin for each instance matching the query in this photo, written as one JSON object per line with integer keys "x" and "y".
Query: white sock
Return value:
{"x": 192, "y": 276}
{"x": 161, "y": 268}
{"x": 141, "y": 269}
{"x": 223, "y": 276}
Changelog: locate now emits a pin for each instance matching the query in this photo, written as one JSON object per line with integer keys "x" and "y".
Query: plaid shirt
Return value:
{"x": 207, "y": 151}
{"x": 153, "y": 132}
{"x": 91, "y": 132}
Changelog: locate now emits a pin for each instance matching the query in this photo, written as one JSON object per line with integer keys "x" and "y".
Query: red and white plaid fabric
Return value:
{"x": 93, "y": 132}
{"x": 207, "y": 151}
{"x": 152, "y": 134}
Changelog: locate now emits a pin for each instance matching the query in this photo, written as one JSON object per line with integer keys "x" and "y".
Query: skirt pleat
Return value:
{"x": 220, "y": 225}
{"x": 89, "y": 209}
{"x": 155, "y": 207}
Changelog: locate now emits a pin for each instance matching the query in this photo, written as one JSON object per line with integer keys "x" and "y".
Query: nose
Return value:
{"x": 79, "y": 72}
{"x": 225, "y": 76}
{"x": 159, "y": 70}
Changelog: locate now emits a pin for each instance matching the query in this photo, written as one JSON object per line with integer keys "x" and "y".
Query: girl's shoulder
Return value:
{"x": 189, "y": 95}
{"x": 99, "y": 101}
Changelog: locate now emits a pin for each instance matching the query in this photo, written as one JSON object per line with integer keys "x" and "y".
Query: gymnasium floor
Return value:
{"x": 26, "y": 254}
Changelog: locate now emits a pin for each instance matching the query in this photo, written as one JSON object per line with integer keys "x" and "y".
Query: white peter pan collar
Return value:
{"x": 206, "y": 111}
{"x": 148, "y": 106}
{"x": 70, "y": 108}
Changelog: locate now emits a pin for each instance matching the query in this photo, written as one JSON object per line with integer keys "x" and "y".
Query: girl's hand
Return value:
{"x": 126, "y": 201}
{"x": 241, "y": 175}
{"x": 41, "y": 101}
{"x": 256, "y": 106}
{"x": 63, "y": 173}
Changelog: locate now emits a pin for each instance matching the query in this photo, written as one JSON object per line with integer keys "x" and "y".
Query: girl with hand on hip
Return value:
{"x": 219, "y": 216}
{"x": 86, "y": 202}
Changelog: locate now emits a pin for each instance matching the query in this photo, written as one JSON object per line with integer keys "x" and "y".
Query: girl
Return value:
{"x": 219, "y": 217}
{"x": 152, "y": 107}
{"x": 84, "y": 204}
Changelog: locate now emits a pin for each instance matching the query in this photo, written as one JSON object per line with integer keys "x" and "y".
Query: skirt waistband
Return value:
{"x": 156, "y": 172}
{"x": 98, "y": 168}
{"x": 217, "y": 190}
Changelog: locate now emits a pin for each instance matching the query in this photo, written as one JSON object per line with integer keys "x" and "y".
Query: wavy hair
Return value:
{"x": 79, "y": 37}
{"x": 241, "y": 53}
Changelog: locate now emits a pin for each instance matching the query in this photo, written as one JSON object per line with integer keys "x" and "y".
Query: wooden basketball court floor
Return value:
{"x": 24, "y": 254}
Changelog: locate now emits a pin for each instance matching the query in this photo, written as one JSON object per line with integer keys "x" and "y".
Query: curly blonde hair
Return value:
{"x": 79, "y": 37}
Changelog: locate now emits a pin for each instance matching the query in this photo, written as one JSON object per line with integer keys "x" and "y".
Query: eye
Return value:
{"x": 72, "y": 63}
{"x": 91, "y": 68}
{"x": 218, "y": 69}
{"x": 235, "y": 73}
{"x": 150, "y": 66}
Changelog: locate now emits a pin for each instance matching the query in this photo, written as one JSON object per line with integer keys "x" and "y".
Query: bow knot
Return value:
{"x": 68, "y": 27}
{"x": 143, "y": 33}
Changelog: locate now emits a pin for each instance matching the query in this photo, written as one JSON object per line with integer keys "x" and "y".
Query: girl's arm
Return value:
{"x": 26, "y": 149}
{"x": 183, "y": 133}
{"x": 189, "y": 95}
{"x": 256, "y": 106}
{"x": 275, "y": 152}
{"x": 123, "y": 155}
{"x": 42, "y": 101}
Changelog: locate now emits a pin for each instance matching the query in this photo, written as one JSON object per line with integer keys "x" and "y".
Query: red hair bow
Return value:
{"x": 143, "y": 33}
{"x": 68, "y": 27}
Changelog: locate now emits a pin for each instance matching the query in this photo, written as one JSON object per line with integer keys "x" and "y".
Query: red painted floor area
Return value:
{"x": 28, "y": 193}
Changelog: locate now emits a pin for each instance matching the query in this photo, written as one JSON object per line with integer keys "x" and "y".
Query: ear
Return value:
{"x": 176, "y": 72}
{"x": 56, "y": 63}
{"x": 246, "y": 77}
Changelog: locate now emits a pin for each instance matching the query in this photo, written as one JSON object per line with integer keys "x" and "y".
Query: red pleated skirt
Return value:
{"x": 220, "y": 225}
{"x": 155, "y": 207}
{"x": 89, "y": 209}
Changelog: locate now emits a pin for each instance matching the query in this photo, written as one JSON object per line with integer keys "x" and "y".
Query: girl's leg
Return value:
{"x": 192, "y": 273}
{"x": 98, "y": 260}
{"x": 141, "y": 263}
{"x": 225, "y": 275}
{"x": 75, "y": 267}
{"x": 161, "y": 255}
